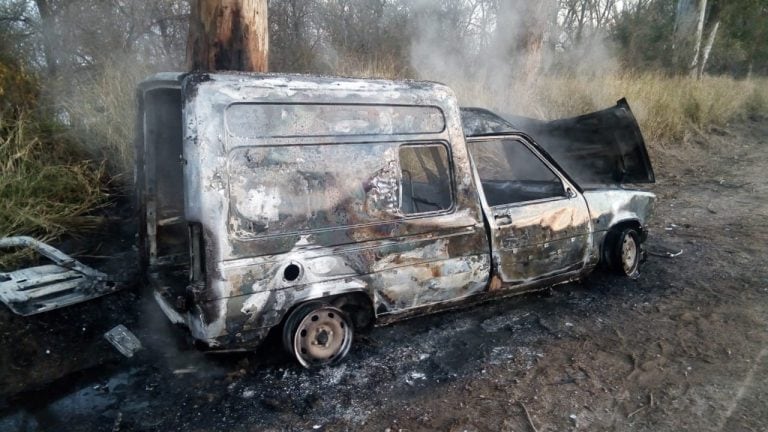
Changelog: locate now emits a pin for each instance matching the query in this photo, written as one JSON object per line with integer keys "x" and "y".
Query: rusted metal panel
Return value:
{"x": 609, "y": 207}
{"x": 47, "y": 287}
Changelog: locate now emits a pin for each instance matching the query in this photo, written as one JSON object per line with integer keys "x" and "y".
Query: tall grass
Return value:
{"x": 666, "y": 107}
{"x": 102, "y": 114}
{"x": 46, "y": 189}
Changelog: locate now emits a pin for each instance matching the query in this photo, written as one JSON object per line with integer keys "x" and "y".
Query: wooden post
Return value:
{"x": 228, "y": 35}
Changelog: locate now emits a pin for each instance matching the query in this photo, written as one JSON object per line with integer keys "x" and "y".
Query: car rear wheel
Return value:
{"x": 317, "y": 334}
{"x": 626, "y": 254}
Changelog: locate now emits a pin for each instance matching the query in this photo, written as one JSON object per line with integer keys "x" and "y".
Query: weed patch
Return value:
{"x": 45, "y": 190}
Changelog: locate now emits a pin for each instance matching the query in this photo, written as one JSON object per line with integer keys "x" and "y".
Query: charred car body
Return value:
{"x": 317, "y": 205}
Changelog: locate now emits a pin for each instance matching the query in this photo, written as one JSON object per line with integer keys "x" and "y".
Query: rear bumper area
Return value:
{"x": 173, "y": 315}
{"x": 240, "y": 341}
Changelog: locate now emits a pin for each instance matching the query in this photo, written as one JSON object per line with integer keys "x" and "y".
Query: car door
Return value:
{"x": 539, "y": 221}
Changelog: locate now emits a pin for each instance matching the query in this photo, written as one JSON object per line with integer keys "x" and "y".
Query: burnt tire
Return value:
{"x": 317, "y": 334}
{"x": 624, "y": 252}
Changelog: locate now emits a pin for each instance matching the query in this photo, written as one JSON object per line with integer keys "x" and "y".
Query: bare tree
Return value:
{"x": 48, "y": 38}
{"x": 228, "y": 35}
{"x": 702, "y": 13}
{"x": 708, "y": 48}
{"x": 293, "y": 35}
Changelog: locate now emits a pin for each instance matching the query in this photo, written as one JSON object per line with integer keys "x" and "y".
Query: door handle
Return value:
{"x": 503, "y": 219}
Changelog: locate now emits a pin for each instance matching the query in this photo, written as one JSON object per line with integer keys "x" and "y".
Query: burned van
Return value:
{"x": 317, "y": 206}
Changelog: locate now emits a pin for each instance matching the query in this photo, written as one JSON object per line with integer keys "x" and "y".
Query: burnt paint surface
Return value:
{"x": 534, "y": 238}
{"x": 610, "y": 207}
{"x": 544, "y": 239}
{"x": 323, "y": 196}
{"x": 294, "y": 212}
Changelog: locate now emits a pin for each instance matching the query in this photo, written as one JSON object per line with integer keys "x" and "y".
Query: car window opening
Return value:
{"x": 511, "y": 173}
{"x": 426, "y": 184}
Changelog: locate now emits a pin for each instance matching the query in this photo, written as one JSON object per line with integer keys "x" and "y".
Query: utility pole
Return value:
{"x": 228, "y": 35}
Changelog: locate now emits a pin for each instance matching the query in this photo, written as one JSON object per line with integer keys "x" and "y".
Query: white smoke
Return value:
{"x": 495, "y": 54}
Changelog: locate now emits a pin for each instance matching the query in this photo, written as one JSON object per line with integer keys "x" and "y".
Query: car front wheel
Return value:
{"x": 626, "y": 253}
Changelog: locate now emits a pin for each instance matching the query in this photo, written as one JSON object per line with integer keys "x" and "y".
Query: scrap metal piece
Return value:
{"x": 123, "y": 340}
{"x": 47, "y": 287}
{"x": 665, "y": 252}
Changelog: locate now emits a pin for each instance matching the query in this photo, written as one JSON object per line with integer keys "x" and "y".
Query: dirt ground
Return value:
{"x": 685, "y": 347}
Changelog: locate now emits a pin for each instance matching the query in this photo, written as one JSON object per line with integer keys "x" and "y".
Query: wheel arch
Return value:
{"x": 355, "y": 303}
{"x": 628, "y": 223}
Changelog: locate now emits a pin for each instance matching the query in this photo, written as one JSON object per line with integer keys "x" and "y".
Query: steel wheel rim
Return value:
{"x": 629, "y": 254}
{"x": 322, "y": 337}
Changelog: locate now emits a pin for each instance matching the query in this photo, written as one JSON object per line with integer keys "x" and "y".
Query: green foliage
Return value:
{"x": 18, "y": 88}
{"x": 646, "y": 39}
{"x": 742, "y": 47}
{"x": 644, "y": 36}
{"x": 757, "y": 102}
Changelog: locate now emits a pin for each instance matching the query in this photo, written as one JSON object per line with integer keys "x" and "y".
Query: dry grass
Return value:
{"x": 102, "y": 111}
{"x": 666, "y": 107}
{"x": 45, "y": 191}
{"x": 48, "y": 188}
{"x": 378, "y": 67}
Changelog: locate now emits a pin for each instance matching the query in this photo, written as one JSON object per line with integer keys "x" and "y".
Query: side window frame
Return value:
{"x": 450, "y": 173}
{"x": 522, "y": 140}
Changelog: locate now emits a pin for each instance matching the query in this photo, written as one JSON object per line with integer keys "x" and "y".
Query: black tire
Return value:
{"x": 317, "y": 334}
{"x": 623, "y": 252}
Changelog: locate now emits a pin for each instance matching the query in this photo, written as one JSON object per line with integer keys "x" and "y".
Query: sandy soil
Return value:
{"x": 685, "y": 347}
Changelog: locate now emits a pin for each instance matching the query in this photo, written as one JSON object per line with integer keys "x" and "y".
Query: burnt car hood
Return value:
{"x": 600, "y": 148}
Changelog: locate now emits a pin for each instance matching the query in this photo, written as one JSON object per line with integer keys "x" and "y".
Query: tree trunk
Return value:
{"x": 708, "y": 48}
{"x": 46, "y": 21}
{"x": 693, "y": 68}
{"x": 580, "y": 29}
{"x": 228, "y": 35}
{"x": 680, "y": 29}
{"x": 681, "y": 17}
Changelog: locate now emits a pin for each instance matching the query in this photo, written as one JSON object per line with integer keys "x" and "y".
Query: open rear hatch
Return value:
{"x": 600, "y": 148}
{"x": 163, "y": 229}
